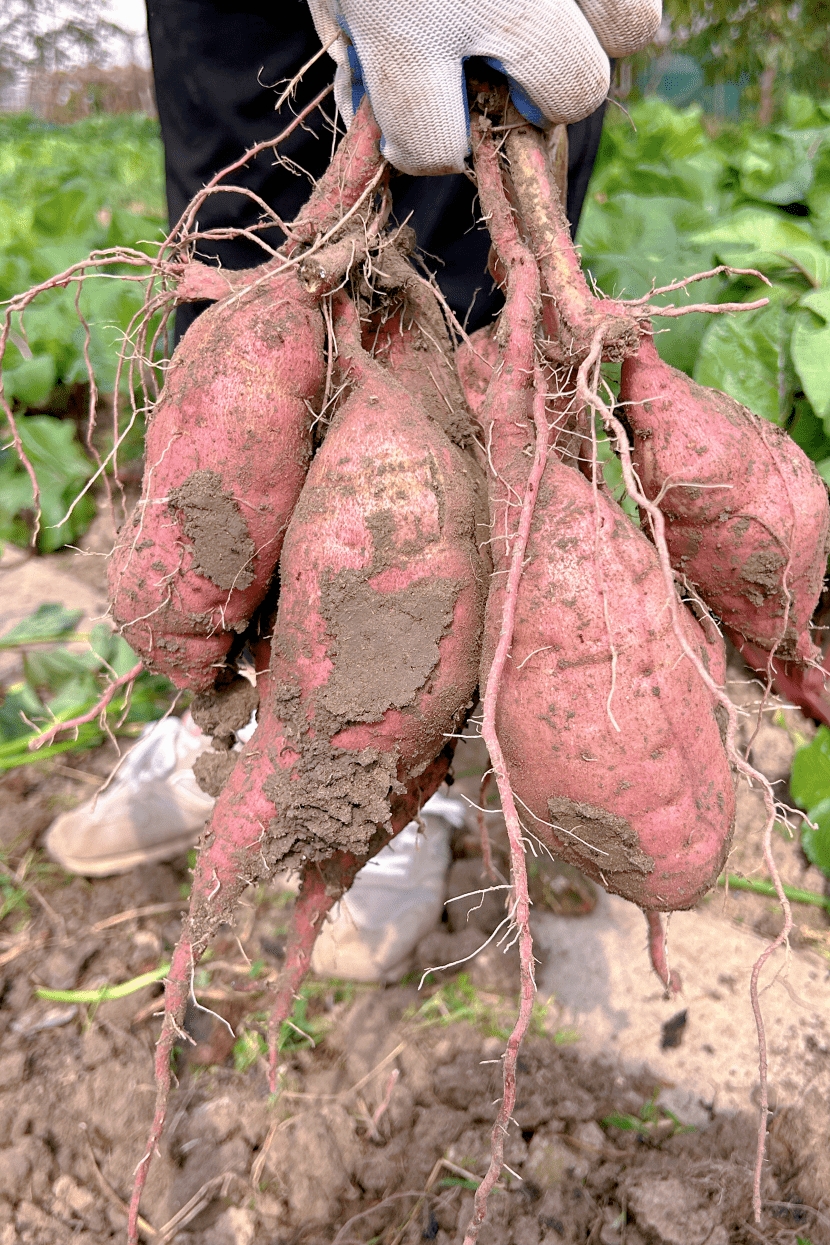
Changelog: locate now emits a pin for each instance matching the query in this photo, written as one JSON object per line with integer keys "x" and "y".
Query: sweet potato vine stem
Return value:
{"x": 571, "y": 312}
{"x": 517, "y": 355}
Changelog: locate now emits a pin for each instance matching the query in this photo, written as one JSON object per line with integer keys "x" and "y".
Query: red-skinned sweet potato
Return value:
{"x": 746, "y": 512}
{"x": 229, "y": 443}
{"x": 227, "y": 450}
{"x": 374, "y": 663}
{"x": 409, "y": 338}
{"x": 475, "y": 361}
{"x": 610, "y": 735}
{"x": 375, "y": 646}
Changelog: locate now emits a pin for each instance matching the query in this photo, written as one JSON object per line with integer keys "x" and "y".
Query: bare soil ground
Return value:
{"x": 381, "y": 1129}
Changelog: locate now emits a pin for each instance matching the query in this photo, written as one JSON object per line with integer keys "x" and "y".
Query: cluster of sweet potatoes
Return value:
{"x": 395, "y": 528}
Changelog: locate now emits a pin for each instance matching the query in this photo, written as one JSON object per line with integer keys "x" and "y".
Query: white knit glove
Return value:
{"x": 408, "y": 55}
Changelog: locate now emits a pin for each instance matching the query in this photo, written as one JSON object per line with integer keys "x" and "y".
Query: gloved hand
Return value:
{"x": 408, "y": 55}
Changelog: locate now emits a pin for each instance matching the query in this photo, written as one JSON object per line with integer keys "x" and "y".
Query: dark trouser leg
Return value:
{"x": 215, "y": 66}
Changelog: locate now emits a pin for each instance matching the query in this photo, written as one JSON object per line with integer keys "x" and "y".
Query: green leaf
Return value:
{"x": 810, "y": 347}
{"x": 61, "y": 212}
{"x": 112, "y": 649}
{"x": 810, "y": 777}
{"x": 816, "y": 841}
{"x": 801, "y": 111}
{"x": 49, "y": 621}
{"x": 756, "y": 238}
{"x": 56, "y": 669}
{"x": 778, "y": 167}
{"x": 759, "y": 229}
{"x": 31, "y": 381}
{"x": 810, "y": 787}
{"x": 19, "y": 699}
{"x": 61, "y": 469}
{"x": 808, "y": 431}
{"x": 744, "y": 355}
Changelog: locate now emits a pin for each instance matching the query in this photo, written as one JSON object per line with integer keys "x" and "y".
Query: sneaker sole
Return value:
{"x": 123, "y": 862}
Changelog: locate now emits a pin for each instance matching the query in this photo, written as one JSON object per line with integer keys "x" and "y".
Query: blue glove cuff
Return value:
{"x": 521, "y": 100}
{"x": 357, "y": 85}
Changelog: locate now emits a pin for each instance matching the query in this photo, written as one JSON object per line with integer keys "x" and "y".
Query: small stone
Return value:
{"x": 298, "y": 1157}
{"x": 236, "y": 1226}
{"x": 15, "y": 1169}
{"x": 72, "y": 1200}
{"x": 12, "y": 1069}
{"x": 217, "y": 1118}
{"x": 548, "y": 1159}
{"x": 671, "y": 1213}
{"x": 685, "y": 1104}
{"x": 41, "y": 1017}
{"x": 590, "y": 1135}
{"x": 36, "y": 1227}
{"x": 59, "y": 971}
{"x": 95, "y": 1048}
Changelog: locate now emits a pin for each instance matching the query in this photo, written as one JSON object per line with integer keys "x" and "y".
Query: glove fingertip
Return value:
{"x": 344, "y": 94}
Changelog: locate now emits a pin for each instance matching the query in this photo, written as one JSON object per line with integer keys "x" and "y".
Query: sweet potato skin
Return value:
{"x": 754, "y": 538}
{"x": 475, "y": 360}
{"x": 610, "y": 735}
{"x": 375, "y": 648}
{"x": 227, "y": 450}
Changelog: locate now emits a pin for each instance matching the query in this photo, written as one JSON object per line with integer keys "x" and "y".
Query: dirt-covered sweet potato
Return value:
{"x": 611, "y": 739}
{"x": 746, "y": 512}
{"x": 229, "y": 440}
{"x": 375, "y": 648}
{"x": 227, "y": 450}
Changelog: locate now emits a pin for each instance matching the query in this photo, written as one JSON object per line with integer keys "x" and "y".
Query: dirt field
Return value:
{"x": 381, "y": 1130}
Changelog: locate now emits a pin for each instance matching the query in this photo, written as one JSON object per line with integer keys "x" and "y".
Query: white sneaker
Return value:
{"x": 152, "y": 810}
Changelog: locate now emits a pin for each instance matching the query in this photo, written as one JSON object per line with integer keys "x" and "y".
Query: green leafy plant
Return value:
{"x": 651, "y": 1118}
{"x": 458, "y": 1000}
{"x": 669, "y": 199}
{"x": 19, "y": 877}
{"x": 62, "y": 469}
{"x": 12, "y": 892}
{"x": 66, "y": 191}
{"x": 810, "y": 787}
{"x": 247, "y": 1049}
{"x": 61, "y": 683}
{"x": 311, "y": 1018}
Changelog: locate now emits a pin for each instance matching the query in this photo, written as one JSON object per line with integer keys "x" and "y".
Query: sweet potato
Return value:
{"x": 747, "y": 516}
{"x": 408, "y": 336}
{"x": 475, "y": 361}
{"x": 610, "y": 736}
{"x": 227, "y": 450}
{"x": 229, "y": 443}
{"x": 374, "y": 664}
{"x": 375, "y": 647}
